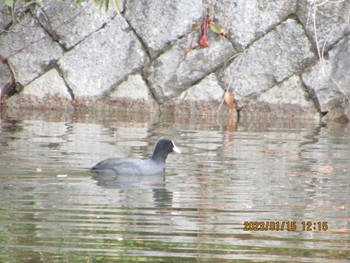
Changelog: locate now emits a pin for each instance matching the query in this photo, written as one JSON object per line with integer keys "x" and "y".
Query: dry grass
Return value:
{"x": 321, "y": 50}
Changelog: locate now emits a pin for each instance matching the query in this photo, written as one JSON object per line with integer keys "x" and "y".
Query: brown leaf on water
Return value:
{"x": 230, "y": 101}
{"x": 202, "y": 165}
{"x": 341, "y": 207}
{"x": 272, "y": 152}
{"x": 327, "y": 169}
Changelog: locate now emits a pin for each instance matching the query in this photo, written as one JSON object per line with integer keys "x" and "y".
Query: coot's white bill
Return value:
{"x": 175, "y": 149}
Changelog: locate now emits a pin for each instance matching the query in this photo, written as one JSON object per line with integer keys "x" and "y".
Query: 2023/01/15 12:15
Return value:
{"x": 285, "y": 226}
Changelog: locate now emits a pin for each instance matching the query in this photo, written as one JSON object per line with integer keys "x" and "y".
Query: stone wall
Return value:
{"x": 278, "y": 56}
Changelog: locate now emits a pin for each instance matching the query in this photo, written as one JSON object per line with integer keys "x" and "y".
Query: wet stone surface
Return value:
{"x": 97, "y": 54}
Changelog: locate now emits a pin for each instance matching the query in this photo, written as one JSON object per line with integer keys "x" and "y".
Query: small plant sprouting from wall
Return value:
{"x": 206, "y": 25}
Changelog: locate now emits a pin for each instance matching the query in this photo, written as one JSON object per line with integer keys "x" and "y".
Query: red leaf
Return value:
{"x": 203, "y": 41}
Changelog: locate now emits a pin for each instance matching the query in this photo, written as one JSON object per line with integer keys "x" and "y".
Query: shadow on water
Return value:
{"x": 274, "y": 172}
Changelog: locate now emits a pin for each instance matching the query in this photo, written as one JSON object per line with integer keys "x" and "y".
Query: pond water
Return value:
{"x": 247, "y": 191}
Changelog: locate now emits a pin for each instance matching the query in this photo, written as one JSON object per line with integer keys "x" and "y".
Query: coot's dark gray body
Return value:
{"x": 155, "y": 165}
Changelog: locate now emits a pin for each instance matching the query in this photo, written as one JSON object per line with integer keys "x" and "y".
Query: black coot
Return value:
{"x": 155, "y": 165}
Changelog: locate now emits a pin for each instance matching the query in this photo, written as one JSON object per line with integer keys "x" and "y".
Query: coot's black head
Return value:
{"x": 163, "y": 148}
